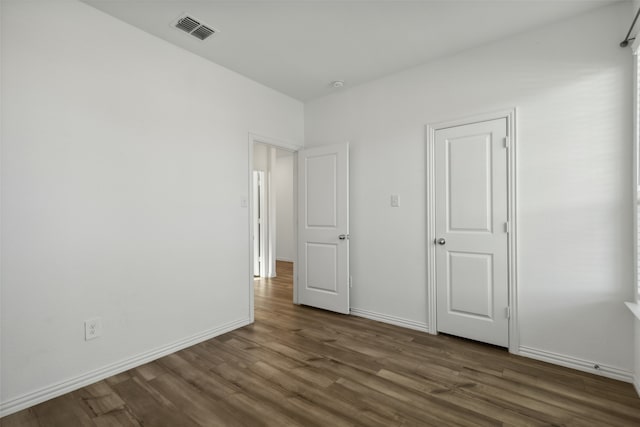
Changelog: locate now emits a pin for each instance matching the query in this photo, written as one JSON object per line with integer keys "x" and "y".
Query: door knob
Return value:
{"x": 343, "y": 237}
{"x": 441, "y": 241}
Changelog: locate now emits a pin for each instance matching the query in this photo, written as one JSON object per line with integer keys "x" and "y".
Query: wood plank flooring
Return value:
{"x": 306, "y": 367}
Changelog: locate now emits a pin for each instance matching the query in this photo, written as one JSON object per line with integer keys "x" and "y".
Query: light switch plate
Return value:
{"x": 395, "y": 201}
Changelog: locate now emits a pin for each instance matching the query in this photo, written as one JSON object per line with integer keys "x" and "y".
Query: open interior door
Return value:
{"x": 323, "y": 227}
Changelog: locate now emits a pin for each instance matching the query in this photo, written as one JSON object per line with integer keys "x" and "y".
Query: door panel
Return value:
{"x": 322, "y": 266}
{"x": 470, "y": 284}
{"x": 323, "y": 209}
{"x": 471, "y": 215}
{"x": 321, "y": 185}
{"x": 469, "y": 183}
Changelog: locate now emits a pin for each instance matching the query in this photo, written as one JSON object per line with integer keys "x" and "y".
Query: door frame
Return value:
{"x": 257, "y": 215}
{"x": 512, "y": 258}
{"x": 294, "y": 148}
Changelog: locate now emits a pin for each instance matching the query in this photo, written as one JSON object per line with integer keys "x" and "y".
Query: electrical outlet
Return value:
{"x": 92, "y": 328}
{"x": 395, "y": 201}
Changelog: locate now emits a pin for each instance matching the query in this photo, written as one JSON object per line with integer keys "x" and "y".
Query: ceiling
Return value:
{"x": 300, "y": 47}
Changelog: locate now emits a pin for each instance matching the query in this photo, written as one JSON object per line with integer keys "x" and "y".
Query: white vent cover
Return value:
{"x": 194, "y": 27}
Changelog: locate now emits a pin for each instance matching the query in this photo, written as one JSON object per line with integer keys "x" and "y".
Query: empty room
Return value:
{"x": 319, "y": 213}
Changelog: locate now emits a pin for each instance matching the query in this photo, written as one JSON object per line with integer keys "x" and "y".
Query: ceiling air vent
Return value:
{"x": 194, "y": 27}
{"x": 202, "y": 32}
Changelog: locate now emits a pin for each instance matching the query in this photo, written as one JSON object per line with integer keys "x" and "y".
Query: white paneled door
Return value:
{"x": 471, "y": 231}
{"x": 323, "y": 227}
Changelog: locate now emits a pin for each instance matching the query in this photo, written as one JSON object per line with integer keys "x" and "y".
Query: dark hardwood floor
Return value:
{"x": 302, "y": 366}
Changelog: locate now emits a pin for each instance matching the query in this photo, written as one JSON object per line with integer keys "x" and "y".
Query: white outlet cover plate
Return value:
{"x": 92, "y": 328}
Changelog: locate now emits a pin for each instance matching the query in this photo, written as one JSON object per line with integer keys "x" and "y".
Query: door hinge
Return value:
{"x": 507, "y": 142}
{"x": 507, "y": 312}
{"x": 507, "y": 227}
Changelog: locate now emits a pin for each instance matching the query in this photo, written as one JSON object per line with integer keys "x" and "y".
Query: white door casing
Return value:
{"x": 470, "y": 246}
{"x": 258, "y": 234}
{"x": 323, "y": 227}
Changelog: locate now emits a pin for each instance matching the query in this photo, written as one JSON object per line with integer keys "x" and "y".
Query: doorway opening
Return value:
{"x": 272, "y": 208}
{"x": 312, "y": 217}
{"x": 272, "y": 211}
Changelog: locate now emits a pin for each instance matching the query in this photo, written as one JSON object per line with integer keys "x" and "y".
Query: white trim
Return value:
{"x": 260, "y": 189}
{"x": 255, "y": 215}
{"x": 578, "y": 364}
{"x": 392, "y": 320}
{"x": 49, "y": 392}
{"x": 285, "y": 259}
{"x": 295, "y": 228}
{"x": 430, "y": 176}
{"x": 250, "y": 216}
{"x": 476, "y": 118}
{"x": 430, "y": 129}
{"x": 255, "y": 138}
{"x": 267, "y": 215}
{"x": 636, "y": 171}
{"x": 635, "y": 307}
{"x": 512, "y": 206}
{"x": 285, "y": 145}
{"x": 270, "y": 194}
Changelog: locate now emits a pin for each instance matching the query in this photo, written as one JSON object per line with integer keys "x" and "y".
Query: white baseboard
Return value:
{"x": 284, "y": 259}
{"x": 636, "y": 384}
{"x": 393, "y": 320}
{"x": 60, "y": 388}
{"x": 579, "y": 364}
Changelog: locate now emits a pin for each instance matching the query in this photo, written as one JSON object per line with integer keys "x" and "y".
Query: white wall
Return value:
{"x": 124, "y": 161}
{"x": 260, "y": 158}
{"x": 283, "y": 180}
{"x": 571, "y": 84}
